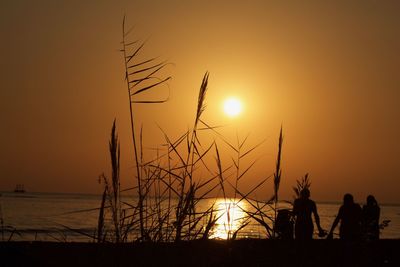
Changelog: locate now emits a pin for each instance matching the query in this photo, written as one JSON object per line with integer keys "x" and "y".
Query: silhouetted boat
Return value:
{"x": 19, "y": 188}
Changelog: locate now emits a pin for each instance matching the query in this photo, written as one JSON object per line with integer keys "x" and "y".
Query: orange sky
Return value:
{"x": 327, "y": 72}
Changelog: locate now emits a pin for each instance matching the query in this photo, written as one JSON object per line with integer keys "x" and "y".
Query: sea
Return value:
{"x": 63, "y": 217}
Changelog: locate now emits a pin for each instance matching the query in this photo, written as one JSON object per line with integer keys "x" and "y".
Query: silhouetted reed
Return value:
{"x": 277, "y": 177}
{"x": 141, "y": 76}
{"x": 168, "y": 189}
{"x": 262, "y": 209}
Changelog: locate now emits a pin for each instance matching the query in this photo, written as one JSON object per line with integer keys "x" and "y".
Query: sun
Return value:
{"x": 232, "y": 107}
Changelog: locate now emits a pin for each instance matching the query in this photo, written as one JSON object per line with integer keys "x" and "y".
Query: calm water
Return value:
{"x": 45, "y": 216}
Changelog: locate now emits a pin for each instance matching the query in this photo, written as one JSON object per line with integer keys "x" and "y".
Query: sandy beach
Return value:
{"x": 203, "y": 253}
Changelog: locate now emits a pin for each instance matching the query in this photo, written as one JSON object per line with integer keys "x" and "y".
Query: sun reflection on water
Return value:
{"x": 230, "y": 218}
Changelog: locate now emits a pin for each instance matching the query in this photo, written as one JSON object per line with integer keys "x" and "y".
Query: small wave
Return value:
{"x": 21, "y": 196}
{"x": 50, "y": 230}
{"x": 12, "y": 195}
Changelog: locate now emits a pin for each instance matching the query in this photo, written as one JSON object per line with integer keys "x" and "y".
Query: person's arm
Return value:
{"x": 335, "y": 223}
{"x": 378, "y": 213}
{"x": 316, "y": 217}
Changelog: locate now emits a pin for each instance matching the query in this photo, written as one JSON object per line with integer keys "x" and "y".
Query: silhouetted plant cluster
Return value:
{"x": 169, "y": 187}
{"x": 303, "y": 183}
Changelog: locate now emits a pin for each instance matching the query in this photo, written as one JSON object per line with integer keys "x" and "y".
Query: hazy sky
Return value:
{"x": 327, "y": 70}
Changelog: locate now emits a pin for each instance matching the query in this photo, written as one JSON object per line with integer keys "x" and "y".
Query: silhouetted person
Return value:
{"x": 350, "y": 220}
{"x": 370, "y": 219}
{"x": 303, "y": 207}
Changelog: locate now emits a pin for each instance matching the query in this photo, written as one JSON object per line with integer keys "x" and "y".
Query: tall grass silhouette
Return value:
{"x": 164, "y": 203}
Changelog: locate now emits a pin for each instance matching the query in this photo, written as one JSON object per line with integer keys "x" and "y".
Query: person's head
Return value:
{"x": 305, "y": 193}
{"x": 371, "y": 201}
{"x": 348, "y": 199}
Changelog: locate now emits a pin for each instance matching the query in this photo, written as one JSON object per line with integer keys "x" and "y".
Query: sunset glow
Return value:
{"x": 325, "y": 71}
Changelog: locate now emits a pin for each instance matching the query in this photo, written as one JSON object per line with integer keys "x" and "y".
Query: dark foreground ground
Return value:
{"x": 202, "y": 253}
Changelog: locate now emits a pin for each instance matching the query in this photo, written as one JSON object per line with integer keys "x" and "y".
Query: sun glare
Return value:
{"x": 232, "y": 107}
{"x": 230, "y": 217}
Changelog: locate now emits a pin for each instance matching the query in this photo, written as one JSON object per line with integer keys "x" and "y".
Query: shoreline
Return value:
{"x": 244, "y": 252}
